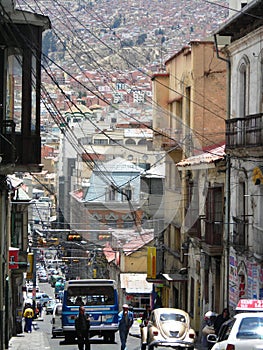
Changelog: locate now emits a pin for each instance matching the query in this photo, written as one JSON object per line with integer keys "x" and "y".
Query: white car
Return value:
{"x": 56, "y": 321}
{"x": 42, "y": 298}
{"x": 243, "y": 332}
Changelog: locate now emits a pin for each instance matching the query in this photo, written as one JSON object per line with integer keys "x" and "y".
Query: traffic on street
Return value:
{"x": 47, "y": 326}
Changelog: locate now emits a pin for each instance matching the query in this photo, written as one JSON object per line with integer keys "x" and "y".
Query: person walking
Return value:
{"x": 208, "y": 328}
{"x": 39, "y": 307}
{"x": 82, "y": 326}
{"x": 220, "y": 319}
{"x": 28, "y": 315}
{"x": 125, "y": 321}
{"x": 143, "y": 327}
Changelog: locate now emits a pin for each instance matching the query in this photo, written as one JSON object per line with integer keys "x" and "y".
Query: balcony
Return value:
{"x": 20, "y": 83}
{"x": 244, "y": 132}
{"x": 16, "y": 149}
{"x": 212, "y": 244}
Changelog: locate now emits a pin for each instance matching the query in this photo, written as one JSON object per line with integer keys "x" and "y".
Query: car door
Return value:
{"x": 223, "y": 336}
{"x": 56, "y": 318}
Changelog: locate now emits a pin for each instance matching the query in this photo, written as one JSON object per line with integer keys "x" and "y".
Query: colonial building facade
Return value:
{"x": 20, "y": 66}
{"x": 244, "y": 141}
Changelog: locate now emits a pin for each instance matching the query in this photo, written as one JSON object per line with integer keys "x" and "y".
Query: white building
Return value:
{"x": 244, "y": 141}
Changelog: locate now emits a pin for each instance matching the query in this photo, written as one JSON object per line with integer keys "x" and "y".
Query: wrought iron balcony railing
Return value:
{"x": 244, "y": 132}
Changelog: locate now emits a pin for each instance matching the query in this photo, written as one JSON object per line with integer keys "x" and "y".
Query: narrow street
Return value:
{"x": 41, "y": 337}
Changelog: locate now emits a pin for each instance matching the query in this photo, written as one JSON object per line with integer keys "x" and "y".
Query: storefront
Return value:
{"x": 136, "y": 290}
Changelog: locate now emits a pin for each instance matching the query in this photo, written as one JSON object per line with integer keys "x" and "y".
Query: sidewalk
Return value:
{"x": 30, "y": 341}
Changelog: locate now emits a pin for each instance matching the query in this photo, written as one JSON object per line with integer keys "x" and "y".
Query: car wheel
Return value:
{"x": 112, "y": 338}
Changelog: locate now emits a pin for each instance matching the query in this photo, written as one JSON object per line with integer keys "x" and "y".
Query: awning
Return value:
{"x": 175, "y": 277}
{"x": 134, "y": 283}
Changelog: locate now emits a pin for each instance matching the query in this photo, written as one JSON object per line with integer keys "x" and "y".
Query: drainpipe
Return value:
{"x": 225, "y": 300}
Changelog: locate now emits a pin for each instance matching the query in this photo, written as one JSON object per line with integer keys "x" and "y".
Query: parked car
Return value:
{"x": 169, "y": 327}
{"x": 244, "y": 331}
{"x": 29, "y": 288}
{"x": 50, "y": 306}
{"x": 42, "y": 298}
{"x": 57, "y": 321}
{"x": 43, "y": 278}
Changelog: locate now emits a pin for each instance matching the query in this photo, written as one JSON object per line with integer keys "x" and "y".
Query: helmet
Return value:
{"x": 209, "y": 314}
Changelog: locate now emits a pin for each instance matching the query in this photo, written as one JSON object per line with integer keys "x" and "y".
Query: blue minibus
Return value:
{"x": 100, "y": 299}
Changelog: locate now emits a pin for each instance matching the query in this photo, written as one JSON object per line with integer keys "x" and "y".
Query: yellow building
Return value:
{"x": 188, "y": 118}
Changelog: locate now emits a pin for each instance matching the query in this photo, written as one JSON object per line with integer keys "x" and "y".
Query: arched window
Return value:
{"x": 142, "y": 142}
{"x": 126, "y": 193}
{"x": 261, "y": 83}
{"x": 130, "y": 142}
{"x": 111, "y": 194}
{"x": 243, "y": 74}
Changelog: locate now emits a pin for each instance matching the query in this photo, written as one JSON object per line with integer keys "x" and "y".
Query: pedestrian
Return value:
{"x": 146, "y": 314}
{"x": 220, "y": 319}
{"x": 143, "y": 327}
{"x": 82, "y": 326}
{"x": 208, "y": 328}
{"x": 158, "y": 302}
{"x": 39, "y": 307}
{"x": 28, "y": 315}
{"x": 125, "y": 321}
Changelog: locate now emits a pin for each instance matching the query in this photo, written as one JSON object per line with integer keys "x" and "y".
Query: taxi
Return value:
{"x": 244, "y": 331}
{"x": 249, "y": 305}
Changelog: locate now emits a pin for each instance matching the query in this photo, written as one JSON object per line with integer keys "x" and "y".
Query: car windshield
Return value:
{"x": 172, "y": 317}
{"x": 251, "y": 328}
{"x": 90, "y": 295}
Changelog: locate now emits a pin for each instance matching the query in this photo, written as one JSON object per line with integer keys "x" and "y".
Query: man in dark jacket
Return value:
{"x": 82, "y": 326}
{"x": 220, "y": 319}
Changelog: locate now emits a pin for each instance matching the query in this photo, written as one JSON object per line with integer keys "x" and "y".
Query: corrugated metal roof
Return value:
{"x": 137, "y": 242}
{"x": 205, "y": 158}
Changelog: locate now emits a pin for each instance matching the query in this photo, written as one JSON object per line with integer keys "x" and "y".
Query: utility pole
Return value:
{"x": 34, "y": 268}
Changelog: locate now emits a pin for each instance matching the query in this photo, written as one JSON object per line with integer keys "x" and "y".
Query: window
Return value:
{"x": 225, "y": 330}
{"x": 243, "y": 87}
{"x": 214, "y": 216}
{"x": 14, "y": 91}
{"x": 192, "y": 297}
{"x": 259, "y": 216}
{"x": 130, "y": 142}
{"x": 100, "y": 142}
{"x": 187, "y": 126}
{"x": 239, "y": 234}
{"x": 250, "y": 328}
{"x": 126, "y": 194}
{"x": 17, "y": 230}
{"x": 33, "y": 95}
{"x": 111, "y": 194}
{"x": 261, "y": 85}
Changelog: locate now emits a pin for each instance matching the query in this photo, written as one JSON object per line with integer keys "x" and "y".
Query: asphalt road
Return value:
{"x": 44, "y": 326}
{"x": 96, "y": 343}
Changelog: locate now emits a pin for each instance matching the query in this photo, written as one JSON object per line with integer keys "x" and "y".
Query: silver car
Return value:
{"x": 57, "y": 321}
